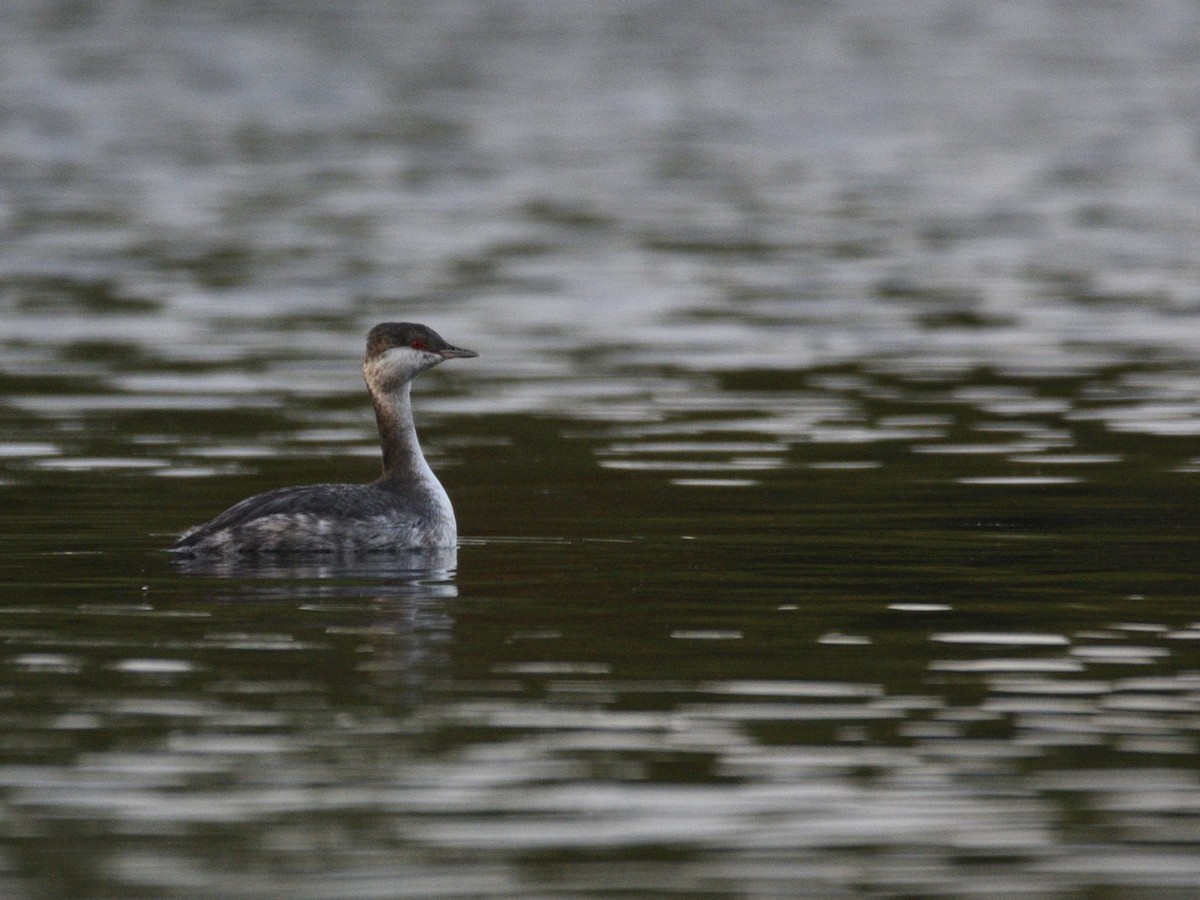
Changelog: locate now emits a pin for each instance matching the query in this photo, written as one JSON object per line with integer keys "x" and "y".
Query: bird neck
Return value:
{"x": 403, "y": 461}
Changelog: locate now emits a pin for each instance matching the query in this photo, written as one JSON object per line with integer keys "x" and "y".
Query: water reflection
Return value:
{"x": 545, "y": 715}
{"x": 417, "y": 567}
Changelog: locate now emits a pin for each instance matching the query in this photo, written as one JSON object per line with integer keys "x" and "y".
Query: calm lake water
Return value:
{"x": 829, "y": 480}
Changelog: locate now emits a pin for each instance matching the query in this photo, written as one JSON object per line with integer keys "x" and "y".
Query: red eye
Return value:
{"x": 417, "y": 344}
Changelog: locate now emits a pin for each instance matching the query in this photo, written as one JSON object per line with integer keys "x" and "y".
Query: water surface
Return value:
{"x": 827, "y": 481}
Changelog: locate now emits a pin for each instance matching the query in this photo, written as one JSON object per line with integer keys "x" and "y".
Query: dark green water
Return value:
{"x": 827, "y": 483}
{"x": 888, "y": 679}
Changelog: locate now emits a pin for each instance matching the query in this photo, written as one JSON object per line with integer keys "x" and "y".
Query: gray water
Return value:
{"x": 827, "y": 481}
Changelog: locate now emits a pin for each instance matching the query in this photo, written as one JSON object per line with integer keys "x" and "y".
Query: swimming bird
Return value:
{"x": 406, "y": 508}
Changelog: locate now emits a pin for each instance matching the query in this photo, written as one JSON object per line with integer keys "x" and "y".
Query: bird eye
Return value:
{"x": 417, "y": 344}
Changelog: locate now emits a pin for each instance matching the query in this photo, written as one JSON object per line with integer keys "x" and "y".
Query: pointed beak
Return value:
{"x": 456, "y": 353}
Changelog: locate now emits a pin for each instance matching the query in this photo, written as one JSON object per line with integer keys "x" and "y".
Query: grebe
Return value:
{"x": 406, "y": 508}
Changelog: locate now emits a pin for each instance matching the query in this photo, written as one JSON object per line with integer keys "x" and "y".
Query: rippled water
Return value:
{"x": 827, "y": 481}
